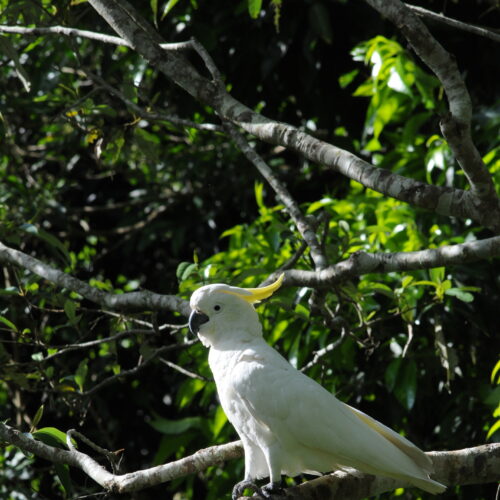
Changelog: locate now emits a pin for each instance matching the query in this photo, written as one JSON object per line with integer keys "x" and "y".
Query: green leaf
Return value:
{"x": 347, "y": 78}
{"x": 494, "y": 428}
{"x": 406, "y": 281}
{"x": 51, "y": 436}
{"x": 254, "y": 7}
{"x": 37, "y": 417}
{"x": 188, "y": 390}
{"x": 496, "y": 369}
{"x": 460, "y": 294}
{"x": 401, "y": 379}
{"x": 167, "y": 426}
{"x": 168, "y": 7}
{"x": 8, "y": 323}
{"x": 81, "y": 374}
{"x": 259, "y": 197}
{"x": 48, "y": 238}
{"x": 188, "y": 271}
{"x": 436, "y": 274}
{"x": 319, "y": 19}
{"x": 219, "y": 421}
{"x": 391, "y": 374}
{"x": 181, "y": 268}
{"x": 70, "y": 309}
{"x": 62, "y": 471}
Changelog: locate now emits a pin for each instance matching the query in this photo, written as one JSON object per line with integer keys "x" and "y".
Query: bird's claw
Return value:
{"x": 242, "y": 485}
{"x": 272, "y": 489}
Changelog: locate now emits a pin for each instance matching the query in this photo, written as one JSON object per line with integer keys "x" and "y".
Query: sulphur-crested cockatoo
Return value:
{"x": 288, "y": 423}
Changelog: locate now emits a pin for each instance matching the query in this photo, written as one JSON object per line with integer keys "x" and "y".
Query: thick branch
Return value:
{"x": 446, "y": 201}
{"x": 144, "y": 300}
{"x": 469, "y": 466}
{"x": 132, "y": 481}
{"x": 363, "y": 263}
{"x": 356, "y": 265}
{"x": 455, "y": 127}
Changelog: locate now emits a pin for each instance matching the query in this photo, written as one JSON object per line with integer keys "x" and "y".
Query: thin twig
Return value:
{"x": 409, "y": 327}
{"x": 291, "y": 205}
{"x": 64, "y": 349}
{"x": 325, "y": 350}
{"x": 114, "y": 457}
{"x": 182, "y": 370}
{"x": 136, "y": 369}
{"x": 149, "y": 115}
{"x": 471, "y": 28}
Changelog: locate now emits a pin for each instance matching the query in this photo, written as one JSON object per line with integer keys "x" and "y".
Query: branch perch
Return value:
{"x": 472, "y": 465}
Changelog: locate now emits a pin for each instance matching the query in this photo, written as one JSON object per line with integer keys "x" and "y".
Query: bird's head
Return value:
{"x": 221, "y": 311}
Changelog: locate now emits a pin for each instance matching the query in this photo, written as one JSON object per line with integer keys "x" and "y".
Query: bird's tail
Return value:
{"x": 428, "y": 485}
{"x": 409, "y": 449}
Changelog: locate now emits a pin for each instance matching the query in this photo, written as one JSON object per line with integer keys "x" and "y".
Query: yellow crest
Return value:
{"x": 254, "y": 295}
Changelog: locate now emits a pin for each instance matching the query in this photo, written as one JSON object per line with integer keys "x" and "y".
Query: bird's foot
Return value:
{"x": 242, "y": 485}
{"x": 272, "y": 489}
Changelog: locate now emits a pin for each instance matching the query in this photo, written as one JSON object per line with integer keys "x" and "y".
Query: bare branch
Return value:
{"x": 64, "y": 349}
{"x": 456, "y": 126}
{"x": 469, "y": 466}
{"x": 361, "y": 263}
{"x": 64, "y": 30}
{"x": 471, "y": 28}
{"x": 132, "y": 481}
{"x": 114, "y": 457}
{"x": 323, "y": 352}
{"x": 144, "y": 300}
{"x": 480, "y": 464}
{"x": 356, "y": 265}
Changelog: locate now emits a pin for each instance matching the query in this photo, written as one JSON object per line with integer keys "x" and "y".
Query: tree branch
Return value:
{"x": 131, "y": 301}
{"x": 470, "y": 28}
{"x": 456, "y": 126}
{"x": 361, "y": 263}
{"x": 134, "y": 371}
{"x": 446, "y": 201}
{"x": 469, "y": 466}
{"x": 305, "y": 229}
{"x": 357, "y": 264}
{"x": 133, "y": 481}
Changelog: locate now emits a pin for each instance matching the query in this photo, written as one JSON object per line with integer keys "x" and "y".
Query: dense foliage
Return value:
{"x": 126, "y": 203}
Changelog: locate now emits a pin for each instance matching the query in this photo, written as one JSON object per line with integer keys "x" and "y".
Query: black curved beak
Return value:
{"x": 196, "y": 319}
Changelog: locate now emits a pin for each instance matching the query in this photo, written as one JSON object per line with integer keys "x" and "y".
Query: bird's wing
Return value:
{"x": 307, "y": 418}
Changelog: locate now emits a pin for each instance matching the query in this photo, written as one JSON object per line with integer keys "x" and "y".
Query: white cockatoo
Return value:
{"x": 288, "y": 423}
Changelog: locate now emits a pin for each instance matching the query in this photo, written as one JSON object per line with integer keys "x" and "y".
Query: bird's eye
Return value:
{"x": 217, "y": 307}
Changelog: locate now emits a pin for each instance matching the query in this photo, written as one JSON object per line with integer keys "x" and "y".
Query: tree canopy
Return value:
{"x": 149, "y": 149}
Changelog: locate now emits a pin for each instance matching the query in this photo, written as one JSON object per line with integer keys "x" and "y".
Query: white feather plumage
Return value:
{"x": 289, "y": 424}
